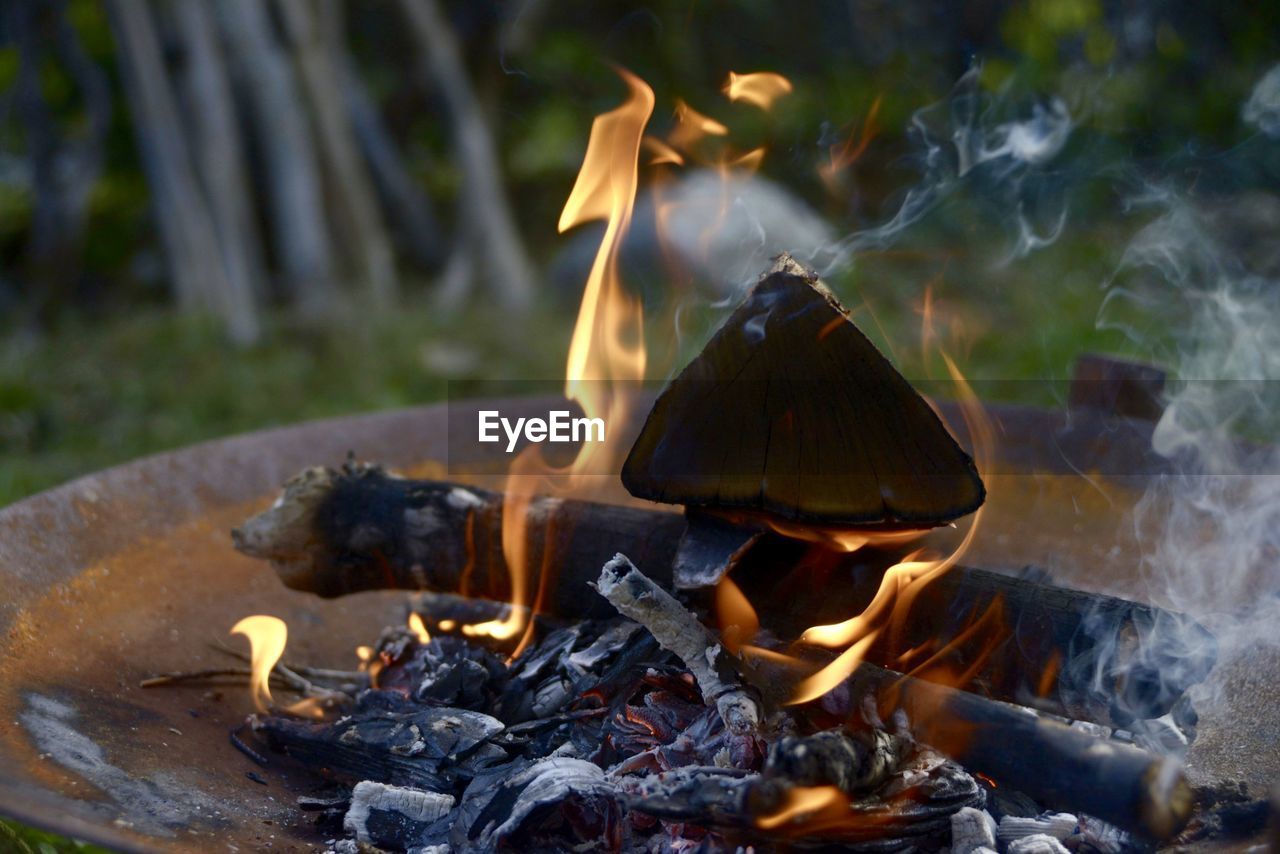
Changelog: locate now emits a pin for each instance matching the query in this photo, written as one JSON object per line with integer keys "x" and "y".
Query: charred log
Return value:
{"x": 1057, "y": 765}
{"x": 1068, "y": 652}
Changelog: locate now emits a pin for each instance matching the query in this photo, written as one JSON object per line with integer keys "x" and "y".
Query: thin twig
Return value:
{"x": 192, "y": 676}
{"x": 239, "y": 744}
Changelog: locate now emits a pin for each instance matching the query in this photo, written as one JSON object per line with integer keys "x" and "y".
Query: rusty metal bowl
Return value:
{"x": 130, "y": 572}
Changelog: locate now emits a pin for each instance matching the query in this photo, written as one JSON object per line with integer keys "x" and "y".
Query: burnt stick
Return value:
{"x": 1061, "y": 767}
{"x": 1068, "y": 652}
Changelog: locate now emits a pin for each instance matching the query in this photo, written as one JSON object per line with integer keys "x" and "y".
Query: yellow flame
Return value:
{"x": 419, "y": 628}
{"x": 606, "y": 351}
{"x": 447, "y": 625}
{"x": 800, "y": 802}
{"x": 692, "y": 127}
{"x": 833, "y": 539}
{"x": 662, "y": 153}
{"x": 267, "y": 638}
{"x": 904, "y": 581}
{"x": 759, "y": 88}
{"x": 738, "y": 620}
{"x": 845, "y": 154}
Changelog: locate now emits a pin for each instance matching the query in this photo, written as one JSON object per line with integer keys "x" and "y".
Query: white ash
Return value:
{"x": 415, "y": 805}
{"x": 1056, "y": 825}
{"x": 679, "y": 632}
{"x": 972, "y": 830}
{"x": 1096, "y": 835}
{"x": 547, "y": 781}
{"x": 610, "y": 642}
{"x": 1037, "y": 843}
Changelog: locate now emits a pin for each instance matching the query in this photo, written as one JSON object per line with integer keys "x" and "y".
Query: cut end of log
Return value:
{"x": 791, "y": 411}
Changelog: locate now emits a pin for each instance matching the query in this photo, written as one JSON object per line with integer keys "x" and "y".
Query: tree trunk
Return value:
{"x": 65, "y": 166}
{"x": 413, "y": 222}
{"x": 218, "y": 157}
{"x": 485, "y": 221}
{"x": 186, "y": 227}
{"x": 314, "y": 30}
{"x": 289, "y": 163}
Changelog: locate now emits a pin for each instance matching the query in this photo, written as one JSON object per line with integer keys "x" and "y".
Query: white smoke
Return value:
{"x": 1210, "y": 533}
{"x": 1262, "y": 110}
{"x": 964, "y": 143}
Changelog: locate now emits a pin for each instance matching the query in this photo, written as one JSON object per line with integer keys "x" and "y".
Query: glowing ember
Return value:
{"x": 267, "y": 637}
{"x": 760, "y": 88}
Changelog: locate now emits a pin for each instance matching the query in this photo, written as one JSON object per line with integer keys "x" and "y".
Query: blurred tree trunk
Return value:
{"x": 288, "y": 159}
{"x": 186, "y": 227}
{"x": 413, "y": 221}
{"x": 217, "y": 152}
{"x": 314, "y": 28}
{"x": 486, "y": 227}
{"x": 65, "y": 166}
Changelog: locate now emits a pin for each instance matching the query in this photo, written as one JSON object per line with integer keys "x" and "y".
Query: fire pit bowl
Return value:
{"x": 131, "y": 572}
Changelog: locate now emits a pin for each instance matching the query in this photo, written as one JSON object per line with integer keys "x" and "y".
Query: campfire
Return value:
{"x": 763, "y": 646}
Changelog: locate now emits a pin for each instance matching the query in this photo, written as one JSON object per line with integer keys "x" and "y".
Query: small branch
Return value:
{"x": 679, "y": 632}
{"x": 193, "y": 676}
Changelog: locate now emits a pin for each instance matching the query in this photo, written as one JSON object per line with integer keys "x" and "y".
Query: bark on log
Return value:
{"x": 1076, "y": 654}
{"x": 1060, "y": 767}
{"x": 340, "y": 532}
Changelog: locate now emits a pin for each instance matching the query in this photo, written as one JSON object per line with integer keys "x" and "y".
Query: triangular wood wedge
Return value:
{"x": 791, "y": 411}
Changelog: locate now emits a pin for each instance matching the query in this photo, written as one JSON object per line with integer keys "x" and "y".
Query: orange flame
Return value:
{"x": 267, "y": 638}
{"x": 419, "y": 628}
{"x": 833, "y": 539}
{"x": 759, "y": 88}
{"x": 803, "y": 805}
{"x": 901, "y": 583}
{"x": 738, "y": 620}
{"x": 605, "y": 354}
{"x": 692, "y": 127}
{"x": 845, "y": 154}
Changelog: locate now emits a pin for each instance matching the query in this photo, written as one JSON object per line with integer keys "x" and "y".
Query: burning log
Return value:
{"x": 339, "y": 532}
{"x": 1071, "y": 653}
{"x": 790, "y": 411}
{"x": 1061, "y": 767}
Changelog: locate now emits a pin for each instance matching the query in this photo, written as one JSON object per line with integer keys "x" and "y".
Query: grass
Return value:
{"x": 94, "y": 394}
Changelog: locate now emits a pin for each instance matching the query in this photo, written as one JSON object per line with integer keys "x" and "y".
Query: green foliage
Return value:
{"x": 18, "y": 839}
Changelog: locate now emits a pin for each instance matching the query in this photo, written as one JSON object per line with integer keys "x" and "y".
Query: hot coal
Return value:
{"x": 595, "y": 736}
{"x": 602, "y": 735}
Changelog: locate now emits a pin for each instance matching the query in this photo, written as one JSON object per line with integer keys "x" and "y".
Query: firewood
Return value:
{"x": 335, "y": 532}
{"x": 679, "y": 632}
{"x": 791, "y": 411}
{"x": 1061, "y": 767}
